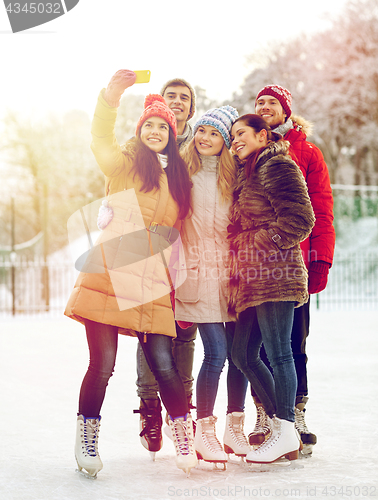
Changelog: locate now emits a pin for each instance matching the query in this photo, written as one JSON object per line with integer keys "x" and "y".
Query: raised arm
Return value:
{"x": 104, "y": 143}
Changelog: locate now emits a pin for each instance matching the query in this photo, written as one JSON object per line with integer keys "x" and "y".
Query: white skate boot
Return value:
{"x": 182, "y": 434}
{"x": 206, "y": 443}
{"x": 262, "y": 427}
{"x": 282, "y": 442}
{"x": 86, "y": 446}
{"x": 234, "y": 440}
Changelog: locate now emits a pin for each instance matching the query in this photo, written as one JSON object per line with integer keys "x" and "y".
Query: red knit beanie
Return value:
{"x": 281, "y": 94}
{"x": 154, "y": 105}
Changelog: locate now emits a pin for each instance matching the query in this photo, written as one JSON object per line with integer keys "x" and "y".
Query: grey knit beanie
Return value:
{"x": 220, "y": 118}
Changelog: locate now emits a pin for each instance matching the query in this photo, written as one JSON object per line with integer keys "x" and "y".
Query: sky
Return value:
{"x": 63, "y": 64}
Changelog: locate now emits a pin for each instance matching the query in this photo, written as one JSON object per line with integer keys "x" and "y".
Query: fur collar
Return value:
{"x": 274, "y": 149}
{"x": 299, "y": 123}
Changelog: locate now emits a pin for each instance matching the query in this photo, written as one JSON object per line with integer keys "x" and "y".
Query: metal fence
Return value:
{"x": 37, "y": 287}
{"x": 352, "y": 283}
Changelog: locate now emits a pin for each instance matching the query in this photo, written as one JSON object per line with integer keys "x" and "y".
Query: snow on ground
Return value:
{"x": 42, "y": 362}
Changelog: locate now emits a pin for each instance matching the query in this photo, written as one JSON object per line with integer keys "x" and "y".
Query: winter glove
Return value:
{"x": 105, "y": 215}
{"x": 317, "y": 276}
{"x": 120, "y": 81}
{"x": 233, "y": 229}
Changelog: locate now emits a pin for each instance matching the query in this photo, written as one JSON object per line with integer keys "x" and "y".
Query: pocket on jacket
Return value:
{"x": 189, "y": 290}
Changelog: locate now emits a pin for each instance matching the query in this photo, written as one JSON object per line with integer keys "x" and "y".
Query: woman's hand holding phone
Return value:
{"x": 119, "y": 82}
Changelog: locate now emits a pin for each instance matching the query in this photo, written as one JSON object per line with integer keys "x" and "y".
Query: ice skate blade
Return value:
{"x": 215, "y": 463}
{"x": 306, "y": 451}
{"x": 230, "y": 451}
{"x": 235, "y": 459}
{"x": 86, "y": 474}
{"x": 276, "y": 466}
{"x": 153, "y": 455}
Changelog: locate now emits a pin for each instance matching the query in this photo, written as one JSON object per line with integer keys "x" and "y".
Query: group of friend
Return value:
{"x": 251, "y": 201}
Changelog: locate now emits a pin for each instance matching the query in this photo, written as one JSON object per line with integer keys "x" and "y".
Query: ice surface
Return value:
{"x": 42, "y": 362}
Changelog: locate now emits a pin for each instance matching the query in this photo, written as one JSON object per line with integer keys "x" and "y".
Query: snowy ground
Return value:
{"x": 42, "y": 362}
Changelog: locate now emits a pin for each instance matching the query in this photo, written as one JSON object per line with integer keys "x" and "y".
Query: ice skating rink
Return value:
{"x": 43, "y": 360}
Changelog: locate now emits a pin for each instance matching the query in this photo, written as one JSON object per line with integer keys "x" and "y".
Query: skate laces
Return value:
{"x": 273, "y": 438}
{"x": 181, "y": 436}
{"x": 209, "y": 435}
{"x": 262, "y": 424}
{"x": 237, "y": 429}
{"x": 300, "y": 423}
{"x": 152, "y": 421}
{"x": 91, "y": 428}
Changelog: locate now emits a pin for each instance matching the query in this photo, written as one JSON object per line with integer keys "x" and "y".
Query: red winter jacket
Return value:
{"x": 321, "y": 242}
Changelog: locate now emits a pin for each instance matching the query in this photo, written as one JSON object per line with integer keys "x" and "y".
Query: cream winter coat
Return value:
{"x": 203, "y": 296}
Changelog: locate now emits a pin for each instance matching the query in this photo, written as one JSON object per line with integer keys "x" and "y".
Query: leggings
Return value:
{"x": 103, "y": 343}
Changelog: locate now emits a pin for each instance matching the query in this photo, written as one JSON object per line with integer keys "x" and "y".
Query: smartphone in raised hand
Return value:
{"x": 143, "y": 76}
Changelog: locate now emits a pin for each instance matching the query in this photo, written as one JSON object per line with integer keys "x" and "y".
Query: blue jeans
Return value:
{"x": 214, "y": 341}
{"x": 183, "y": 354}
{"x": 103, "y": 344}
{"x": 237, "y": 382}
{"x": 299, "y": 336}
{"x": 275, "y": 321}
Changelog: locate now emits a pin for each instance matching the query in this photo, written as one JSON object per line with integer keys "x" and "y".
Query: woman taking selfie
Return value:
{"x": 150, "y": 165}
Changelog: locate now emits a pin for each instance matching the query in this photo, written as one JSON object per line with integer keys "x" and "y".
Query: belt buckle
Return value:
{"x": 153, "y": 227}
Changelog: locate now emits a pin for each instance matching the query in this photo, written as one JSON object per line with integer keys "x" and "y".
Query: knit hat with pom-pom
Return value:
{"x": 154, "y": 105}
{"x": 220, "y": 118}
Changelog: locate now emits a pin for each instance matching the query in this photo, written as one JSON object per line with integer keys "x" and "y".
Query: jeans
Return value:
{"x": 299, "y": 334}
{"x": 183, "y": 354}
{"x": 237, "y": 382}
{"x": 275, "y": 321}
{"x": 214, "y": 340}
{"x": 103, "y": 343}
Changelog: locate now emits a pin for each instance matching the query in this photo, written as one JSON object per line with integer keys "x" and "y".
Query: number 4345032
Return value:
{"x": 34, "y": 8}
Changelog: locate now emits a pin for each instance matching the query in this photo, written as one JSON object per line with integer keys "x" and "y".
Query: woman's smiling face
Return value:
{"x": 245, "y": 140}
{"x": 208, "y": 141}
{"x": 154, "y": 133}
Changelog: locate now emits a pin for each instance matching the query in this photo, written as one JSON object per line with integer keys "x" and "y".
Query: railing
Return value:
{"x": 36, "y": 287}
{"x": 33, "y": 287}
{"x": 352, "y": 283}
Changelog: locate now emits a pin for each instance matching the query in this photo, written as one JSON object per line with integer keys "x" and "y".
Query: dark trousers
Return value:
{"x": 103, "y": 343}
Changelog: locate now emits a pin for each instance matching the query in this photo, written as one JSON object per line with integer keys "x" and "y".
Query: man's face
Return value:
{"x": 179, "y": 99}
{"x": 269, "y": 108}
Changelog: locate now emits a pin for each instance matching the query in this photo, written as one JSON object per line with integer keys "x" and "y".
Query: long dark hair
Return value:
{"x": 258, "y": 124}
{"x": 148, "y": 169}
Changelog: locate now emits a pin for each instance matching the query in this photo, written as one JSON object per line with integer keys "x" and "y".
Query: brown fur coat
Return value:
{"x": 270, "y": 215}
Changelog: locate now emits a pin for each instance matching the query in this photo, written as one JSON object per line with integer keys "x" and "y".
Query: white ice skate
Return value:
{"x": 234, "y": 439}
{"x": 182, "y": 433}
{"x": 282, "y": 442}
{"x": 206, "y": 443}
{"x": 86, "y": 446}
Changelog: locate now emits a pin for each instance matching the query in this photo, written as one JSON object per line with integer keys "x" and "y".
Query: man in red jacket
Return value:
{"x": 273, "y": 103}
